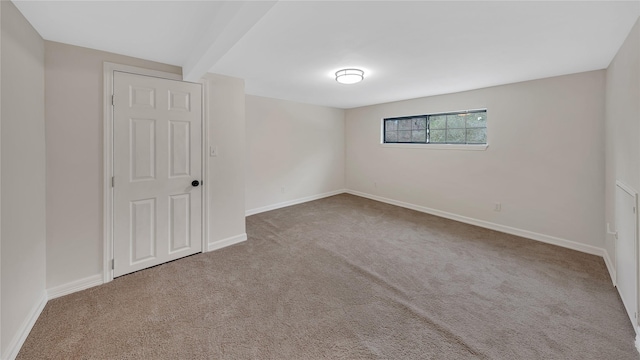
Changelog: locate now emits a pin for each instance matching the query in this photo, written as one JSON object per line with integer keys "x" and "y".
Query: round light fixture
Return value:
{"x": 349, "y": 76}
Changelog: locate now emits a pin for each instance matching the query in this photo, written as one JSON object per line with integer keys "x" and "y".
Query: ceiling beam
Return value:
{"x": 229, "y": 25}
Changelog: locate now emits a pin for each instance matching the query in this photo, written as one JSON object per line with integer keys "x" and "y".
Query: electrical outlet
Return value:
{"x": 375, "y": 184}
{"x": 282, "y": 190}
{"x": 497, "y": 207}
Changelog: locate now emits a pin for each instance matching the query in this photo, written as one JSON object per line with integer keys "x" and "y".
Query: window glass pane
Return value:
{"x": 451, "y": 128}
{"x": 391, "y": 136}
{"x": 437, "y": 122}
{"x": 456, "y": 136}
{"x": 419, "y": 136}
{"x": 455, "y": 121}
{"x": 404, "y": 124}
{"x": 477, "y": 136}
{"x": 437, "y": 136}
{"x": 419, "y": 123}
{"x": 477, "y": 120}
{"x": 404, "y": 136}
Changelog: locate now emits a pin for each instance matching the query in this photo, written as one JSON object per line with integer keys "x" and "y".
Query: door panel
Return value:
{"x": 179, "y": 101}
{"x": 179, "y": 233}
{"x": 143, "y": 149}
{"x": 142, "y": 97}
{"x": 626, "y": 250}
{"x": 179, "y": 146}
{"x": 143, "y": 226}
{"x": 157, "y": 154}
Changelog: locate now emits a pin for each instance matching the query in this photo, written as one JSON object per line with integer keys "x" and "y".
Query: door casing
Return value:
{"x": 626, "y": 189}
{"x": 108, "y": 70}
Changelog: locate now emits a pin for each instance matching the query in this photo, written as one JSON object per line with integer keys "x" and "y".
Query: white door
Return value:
{"x": 626, "y": 249}
{"x": 157, "y": 159}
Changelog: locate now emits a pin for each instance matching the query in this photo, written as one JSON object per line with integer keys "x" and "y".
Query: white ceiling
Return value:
{"x": 290, "y": 49}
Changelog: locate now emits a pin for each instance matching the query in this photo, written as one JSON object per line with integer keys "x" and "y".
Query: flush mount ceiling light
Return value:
{"x": 349, "y": 76}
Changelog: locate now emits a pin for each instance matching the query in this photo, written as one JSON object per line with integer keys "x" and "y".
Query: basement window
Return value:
{"x": 467, "y": 128}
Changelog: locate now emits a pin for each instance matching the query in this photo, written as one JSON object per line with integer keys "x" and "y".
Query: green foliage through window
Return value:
{"x": 466, "y": 127}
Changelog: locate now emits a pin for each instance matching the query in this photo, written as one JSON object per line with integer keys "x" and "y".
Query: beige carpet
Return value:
{"x": 349, "y": 278}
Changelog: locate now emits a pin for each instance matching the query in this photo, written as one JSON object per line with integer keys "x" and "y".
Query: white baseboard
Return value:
{"x": 226, "y": 242}
{"x": 589, "y": 249}
{"x": 292, "y": 202}
{"x": 610, "y": 267}
{"x": 74, "y": 286}
{"x": 16, "y": 343}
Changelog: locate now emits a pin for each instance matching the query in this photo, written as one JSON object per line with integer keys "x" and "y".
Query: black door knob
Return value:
{"x": 195, "y": 183}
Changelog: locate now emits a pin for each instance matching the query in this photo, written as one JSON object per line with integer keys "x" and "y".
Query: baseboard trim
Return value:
{"x": 637, "y": 342}
{"x": 226, "y": 242}
{"x": 610, "y": 267}
{"x": 293, "y": 202}
{"x": 74, "y": 286}
{"x": 16, "y": 344}
{"x": 589, "y": 249}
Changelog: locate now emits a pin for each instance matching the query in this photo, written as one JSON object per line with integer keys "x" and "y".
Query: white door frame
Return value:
{"x": 107, "y": 208}
{"x": 631, "y": 191}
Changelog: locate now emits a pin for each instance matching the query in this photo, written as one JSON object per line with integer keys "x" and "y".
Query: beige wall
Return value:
{"x": 296, "y": 146}
{"x": 1, "y": 347}
{"x": 622, "y": 124}
{"x": 225, "y": 178}
{"x": 23, "y": 178}
{"x": 74, "y": 133}
{"x": 1, "y": 182}
{"x": 544, "y": 164}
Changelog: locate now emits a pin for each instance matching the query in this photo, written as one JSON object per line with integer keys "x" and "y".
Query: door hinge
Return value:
{"x": 113, "y": 101}
{"x": 113, "y": 181}
{"x": 113, "y": 264}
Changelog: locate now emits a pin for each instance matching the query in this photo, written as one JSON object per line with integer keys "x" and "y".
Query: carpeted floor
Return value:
{"x": 349, "y": 278}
